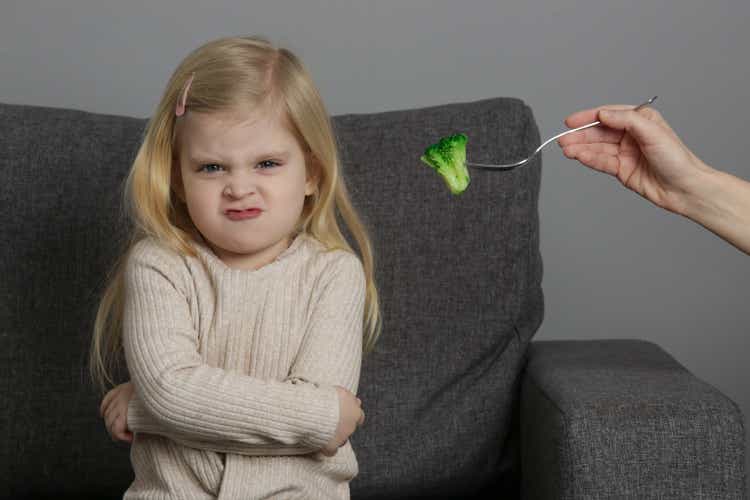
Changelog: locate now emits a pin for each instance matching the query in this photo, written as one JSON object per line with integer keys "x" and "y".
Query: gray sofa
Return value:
{"x": 460, "y": 402}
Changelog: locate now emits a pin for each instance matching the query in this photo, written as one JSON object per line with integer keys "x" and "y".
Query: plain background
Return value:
{"x": 615, "y": 266}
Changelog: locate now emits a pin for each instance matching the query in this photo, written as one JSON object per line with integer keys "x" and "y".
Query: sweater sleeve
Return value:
{"x": 331, "y": 349}
{"x": 196, "y": 404}
{"x": 140, "y": 420}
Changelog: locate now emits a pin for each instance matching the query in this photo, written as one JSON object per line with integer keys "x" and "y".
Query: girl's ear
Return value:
{"x": 313, "y": 167}
{"x": 177, "y": 185}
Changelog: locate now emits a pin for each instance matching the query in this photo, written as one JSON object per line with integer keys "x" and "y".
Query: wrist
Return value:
{"x": 325, "y": 427}
{"x": 702, "y": 196}
{"x": 722, "y": 205}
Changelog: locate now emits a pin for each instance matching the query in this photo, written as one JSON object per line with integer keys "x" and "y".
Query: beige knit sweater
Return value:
{"x": 239, "y": 408}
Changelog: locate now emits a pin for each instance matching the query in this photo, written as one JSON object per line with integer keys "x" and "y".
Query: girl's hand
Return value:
{"x": 350, "y": 416}
{"x": 114, "y": 410}
{"x": 640, "y": 149}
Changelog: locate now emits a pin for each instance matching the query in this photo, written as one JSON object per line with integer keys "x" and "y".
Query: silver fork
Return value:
{"x": 510, "y": 166}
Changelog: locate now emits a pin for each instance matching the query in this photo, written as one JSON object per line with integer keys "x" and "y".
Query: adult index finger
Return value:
{"x": 591, "y": 135}
{"x": 585, "y": 116}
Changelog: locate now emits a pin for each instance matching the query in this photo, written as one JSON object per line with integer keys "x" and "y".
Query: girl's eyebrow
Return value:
{"x": 196, "y": 157}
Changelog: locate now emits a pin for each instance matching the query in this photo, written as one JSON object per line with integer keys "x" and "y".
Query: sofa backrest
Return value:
{"x": 459, "y": 280}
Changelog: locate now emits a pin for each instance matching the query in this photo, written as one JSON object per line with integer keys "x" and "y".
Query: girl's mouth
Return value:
{"x": 244, "y": 214}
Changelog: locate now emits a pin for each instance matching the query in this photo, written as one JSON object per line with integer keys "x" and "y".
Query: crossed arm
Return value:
{"x": 178, "y": 396}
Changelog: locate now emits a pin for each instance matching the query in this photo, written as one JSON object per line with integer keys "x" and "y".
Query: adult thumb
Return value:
{"x": 643, "y": 130}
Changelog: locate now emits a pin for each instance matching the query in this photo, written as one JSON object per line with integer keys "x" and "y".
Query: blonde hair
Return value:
{"x": 230, "y": 72}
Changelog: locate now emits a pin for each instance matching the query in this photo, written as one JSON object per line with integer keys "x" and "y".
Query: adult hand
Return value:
{"x": 640, "y": 149}
{"x": 647, "y": 156}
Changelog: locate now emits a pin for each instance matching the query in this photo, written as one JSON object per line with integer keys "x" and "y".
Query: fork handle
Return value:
{"x": 594, "y": 124}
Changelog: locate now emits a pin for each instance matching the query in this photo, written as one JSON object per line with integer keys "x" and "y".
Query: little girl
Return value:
{"x": 241, "y": 310}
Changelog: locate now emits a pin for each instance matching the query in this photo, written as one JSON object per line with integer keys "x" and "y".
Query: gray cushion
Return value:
{"x": 60, "y": 171}
{"x": 459, "y": 280}
{"x": 621, "y": 418}
{"x": 460, "y": 287}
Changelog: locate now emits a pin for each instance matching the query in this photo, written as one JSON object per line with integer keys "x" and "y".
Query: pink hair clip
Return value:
{"x": 180, "y": 108}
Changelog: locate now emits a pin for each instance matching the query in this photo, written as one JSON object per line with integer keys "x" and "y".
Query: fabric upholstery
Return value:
{"x": 621, "y": 418}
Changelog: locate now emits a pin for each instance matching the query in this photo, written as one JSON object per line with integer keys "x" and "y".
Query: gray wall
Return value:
{"x": 615, "y": 265}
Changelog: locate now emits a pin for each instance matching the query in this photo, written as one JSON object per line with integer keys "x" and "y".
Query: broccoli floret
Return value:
{"x": 448, "y": 158}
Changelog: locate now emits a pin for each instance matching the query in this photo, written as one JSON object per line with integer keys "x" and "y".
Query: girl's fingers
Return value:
{"x": 109, "y": 411}
{"x": 121, "y": 429}
{"x": 110, "y": 425}
{"x": 117, "y": 428}
{"x": 105, "y": 404}
{"x": 108, "y": 398}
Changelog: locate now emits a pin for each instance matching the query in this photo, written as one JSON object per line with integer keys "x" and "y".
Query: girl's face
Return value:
{"x": 228, "y": 162}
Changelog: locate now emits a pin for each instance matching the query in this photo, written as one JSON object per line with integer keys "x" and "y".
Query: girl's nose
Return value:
{"x": 239, "y": 189}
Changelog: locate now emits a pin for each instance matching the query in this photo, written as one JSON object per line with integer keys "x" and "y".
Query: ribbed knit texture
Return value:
{"x": 234, "y": 394}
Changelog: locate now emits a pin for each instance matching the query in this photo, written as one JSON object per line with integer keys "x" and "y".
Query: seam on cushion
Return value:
{"x": 565, "y": 425}
{"x": 534, "y": 215}
{"x": 529, "y": 222}
{"x": 546, "y": 396}
{"x": 524, "y": 286}
{"x": 518, "y": 339}
{"x": 519, "y": 276}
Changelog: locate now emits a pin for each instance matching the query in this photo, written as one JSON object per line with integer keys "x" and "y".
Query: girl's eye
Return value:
{"x": 265, "y": 165}
{"x": 266, "y": 162}
{"x": 203, "y": 167}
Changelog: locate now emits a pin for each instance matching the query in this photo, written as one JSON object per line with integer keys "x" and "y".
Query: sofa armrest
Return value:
{"x": 623, "y": 419}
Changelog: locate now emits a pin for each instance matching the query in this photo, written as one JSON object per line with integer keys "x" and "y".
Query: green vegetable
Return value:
{"x": 448, "y": 158}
